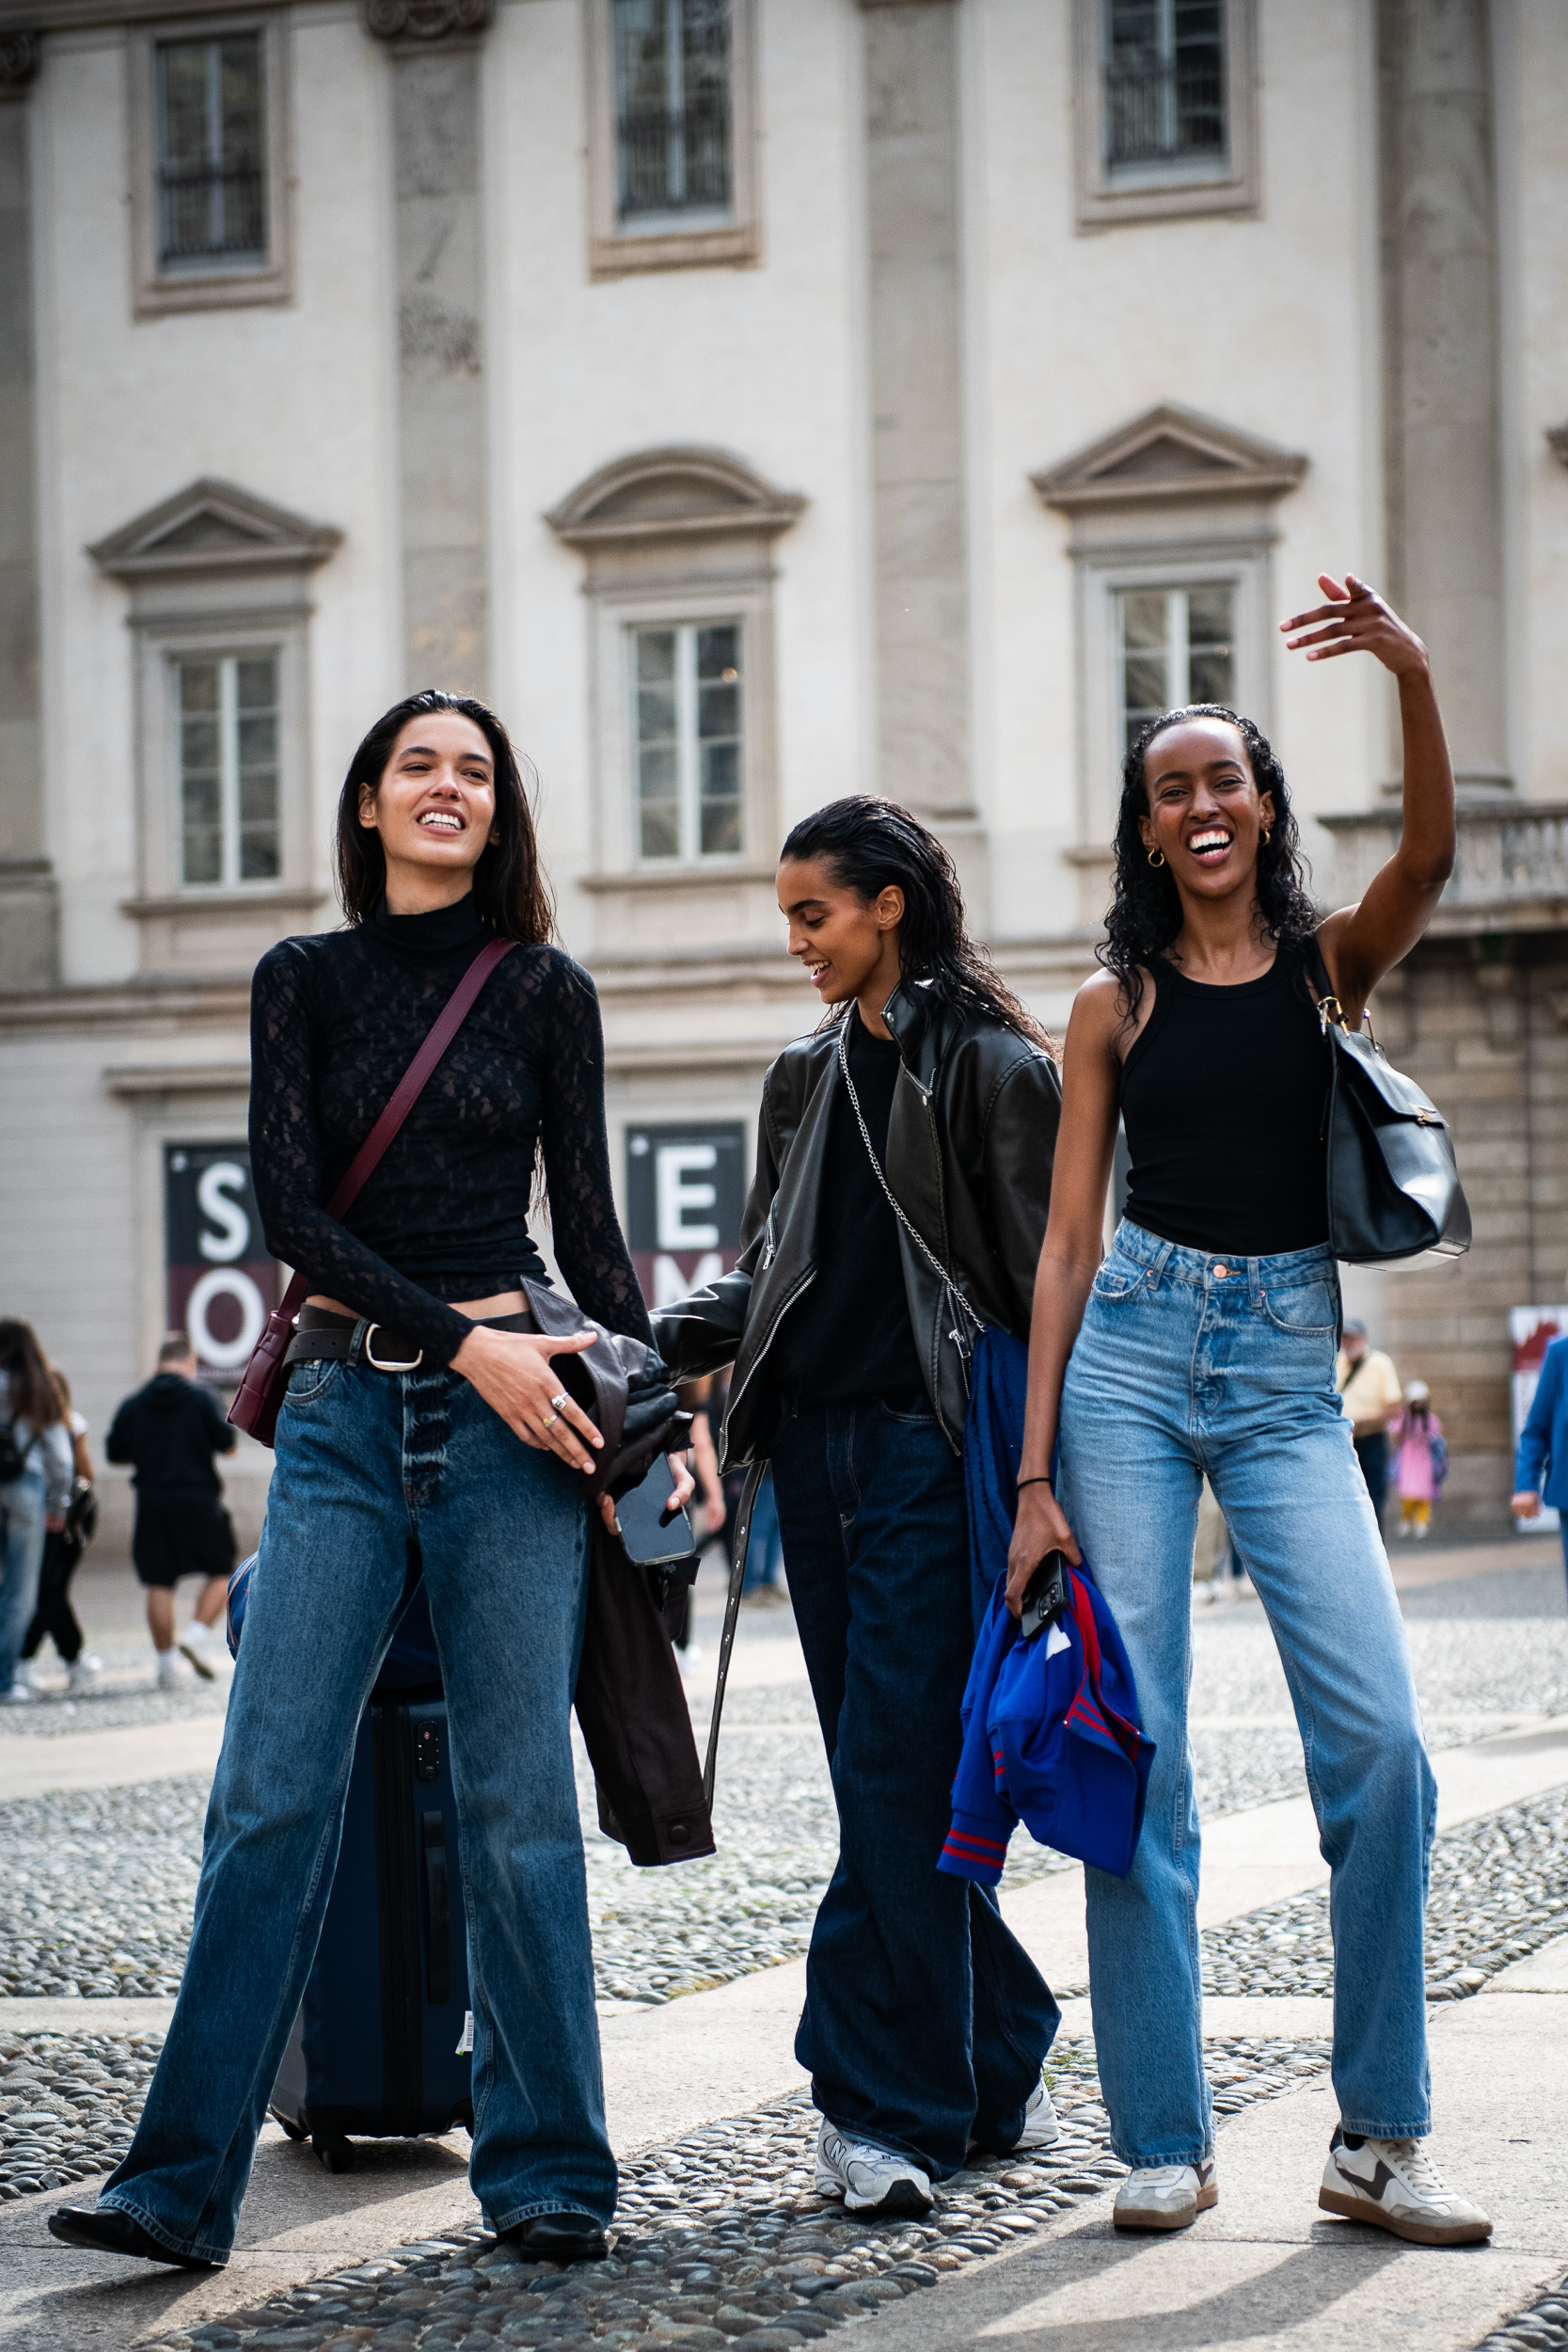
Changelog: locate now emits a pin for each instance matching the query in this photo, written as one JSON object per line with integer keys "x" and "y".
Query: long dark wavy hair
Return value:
{"x": 869, "y": 843}
{"x": 32, "y": 1394}
{"x": 511, "y": 891}
{"x": 1146, "y": 912}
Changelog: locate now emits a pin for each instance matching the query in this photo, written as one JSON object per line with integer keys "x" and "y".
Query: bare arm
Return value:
{"x": 1069, "y": 1259}
{"x": 1363, "y": 941}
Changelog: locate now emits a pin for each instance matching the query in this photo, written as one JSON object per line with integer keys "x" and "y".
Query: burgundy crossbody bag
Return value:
{"x": 265, "y": 1376}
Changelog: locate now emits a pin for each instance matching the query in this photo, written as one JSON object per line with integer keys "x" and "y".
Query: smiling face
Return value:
{"x": 435, "y": 809}
{"x": 846, "y": 944}
{"x": 1206, "y": 812}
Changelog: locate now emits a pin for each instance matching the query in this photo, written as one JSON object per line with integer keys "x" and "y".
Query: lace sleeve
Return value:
{"x": 589, "y": 1246}
{"x": 286, "y": 1163}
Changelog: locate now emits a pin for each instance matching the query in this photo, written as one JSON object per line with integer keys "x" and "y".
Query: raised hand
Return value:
{"x": 1359, "y": 621}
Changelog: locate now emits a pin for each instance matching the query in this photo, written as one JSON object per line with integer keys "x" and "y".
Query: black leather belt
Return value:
{"x": 323, "y": 1337}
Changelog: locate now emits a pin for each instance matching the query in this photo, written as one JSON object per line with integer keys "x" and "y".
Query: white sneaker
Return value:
{"x": 196, "y": 1643}
{"x": 20, "y": 1694}
{"x": 1166, "y": 2196}
{"x": 1423, "y": 1529}
{"x": 1404, "y": 1528}
{"x": 84, "y": 1671}
{"x": 1041, "y": 2126}
{"x": 1394, "y": 2185}
{"x": 168, "y": 1670}
{"x": 869, "y": 2180}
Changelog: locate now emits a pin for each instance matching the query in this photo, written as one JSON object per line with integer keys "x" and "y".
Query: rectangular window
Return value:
{"x": 672, "y": 107}
{"x": 1174, "y": 645}
{"x": 687, "y": 732}
{"x": 226, "y": 713}
{"x": 211, "y": 151}
{"x": 1165, "y": 82}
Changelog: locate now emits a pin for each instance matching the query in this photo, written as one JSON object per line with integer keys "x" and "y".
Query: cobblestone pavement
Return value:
{"x": 720, "y": 2234}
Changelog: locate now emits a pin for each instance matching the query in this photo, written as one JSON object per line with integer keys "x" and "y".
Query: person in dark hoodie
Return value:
{"x": 171, "y": 1430}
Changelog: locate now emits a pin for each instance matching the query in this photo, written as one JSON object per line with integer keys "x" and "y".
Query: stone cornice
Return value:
{"x": 223, "y": 1000}
{"x": 1169, "y": 455}
{"x": 418, "y": 24}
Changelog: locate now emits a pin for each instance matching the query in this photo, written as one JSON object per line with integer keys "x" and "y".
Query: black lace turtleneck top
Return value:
{"x": 334, "y": 1022}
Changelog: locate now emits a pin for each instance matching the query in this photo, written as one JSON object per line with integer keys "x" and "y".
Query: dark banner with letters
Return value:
{"x": 686, "y": 1191}
{"x": 220, "y": 1283}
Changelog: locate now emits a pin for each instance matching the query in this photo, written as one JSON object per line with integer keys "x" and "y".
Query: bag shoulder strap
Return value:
{"x": 947, "y": 1281}
{"x": 732, "y": 1609}
{"x": 406, "y": 1093}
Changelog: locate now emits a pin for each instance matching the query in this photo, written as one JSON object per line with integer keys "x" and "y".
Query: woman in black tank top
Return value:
{"x": 1203, "y": 1344}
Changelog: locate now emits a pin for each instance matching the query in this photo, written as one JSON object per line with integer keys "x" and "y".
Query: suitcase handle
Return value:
{"x": 434, "y": 1840}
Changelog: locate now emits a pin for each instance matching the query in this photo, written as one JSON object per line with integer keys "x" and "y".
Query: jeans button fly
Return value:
{"x": 1220, "y": 1273}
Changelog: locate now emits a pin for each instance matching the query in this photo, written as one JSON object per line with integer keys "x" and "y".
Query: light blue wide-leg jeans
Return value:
{"x": 21, "y": 1534}
{"x": 1189, "y": 1362}
{"x": 364, "y": 1460}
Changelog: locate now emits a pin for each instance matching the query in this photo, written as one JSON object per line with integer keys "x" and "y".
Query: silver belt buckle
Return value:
{"x": 373, "y": 1359}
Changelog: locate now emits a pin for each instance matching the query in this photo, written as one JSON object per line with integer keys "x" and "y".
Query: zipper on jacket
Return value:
{"x": 772, "y": 1333}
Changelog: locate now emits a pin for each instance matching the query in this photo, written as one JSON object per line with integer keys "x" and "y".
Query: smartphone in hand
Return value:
{"x": 654, "y": 1536}
{"x": 1045, "y": 1596}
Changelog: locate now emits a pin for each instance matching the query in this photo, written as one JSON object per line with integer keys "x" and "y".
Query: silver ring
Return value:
{"x": 558, "y": 1403}
{"x": 550, "y": 1423}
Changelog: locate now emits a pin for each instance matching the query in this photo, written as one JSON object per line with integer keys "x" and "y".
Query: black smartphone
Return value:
{"x": 653, "y": 1535}
{"x": 1045, "y": 1596}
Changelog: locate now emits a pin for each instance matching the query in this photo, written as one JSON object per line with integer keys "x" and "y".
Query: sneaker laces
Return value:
{"x": 1419, "y": 2169}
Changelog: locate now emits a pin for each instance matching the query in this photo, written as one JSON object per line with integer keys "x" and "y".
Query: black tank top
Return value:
{"x": 1223, "y": 1099}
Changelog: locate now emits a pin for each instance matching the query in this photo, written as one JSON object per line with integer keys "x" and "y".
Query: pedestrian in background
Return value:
{"x": 63, "y": 1548}
{"x": 1540, "y": 1469}
{"x": 170, "y": 1431}
{"x": 1421, "y": 1460}
{"x": 35, "y": 1491}
{"x": 1370, "y": 1395}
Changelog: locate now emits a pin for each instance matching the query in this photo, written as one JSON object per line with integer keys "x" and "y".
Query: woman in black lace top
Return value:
{"x": 415, "y": 1372}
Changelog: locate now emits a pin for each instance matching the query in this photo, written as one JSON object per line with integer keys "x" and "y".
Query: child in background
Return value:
{"x": 1421, "y": 1458}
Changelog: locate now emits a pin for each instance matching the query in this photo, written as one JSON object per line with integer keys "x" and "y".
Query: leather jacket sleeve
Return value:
{"x": 702, "y": 1332}
{"x": 1018, "y": 1152}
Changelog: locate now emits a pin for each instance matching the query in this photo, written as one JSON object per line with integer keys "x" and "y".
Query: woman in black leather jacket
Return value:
{"x": 850, "y": 1322}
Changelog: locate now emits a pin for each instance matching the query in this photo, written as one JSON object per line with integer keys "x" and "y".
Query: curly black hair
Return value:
{"x": 870, "y": 842}
{"x": 1146, "y": 912}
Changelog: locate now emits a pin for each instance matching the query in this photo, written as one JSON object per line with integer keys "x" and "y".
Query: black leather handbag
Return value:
{"x": 1395, "y": 1201}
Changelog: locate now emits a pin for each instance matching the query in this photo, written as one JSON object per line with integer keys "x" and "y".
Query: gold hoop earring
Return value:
{"x": 1156, "y": 857}
{"x": 1265, "y": 836}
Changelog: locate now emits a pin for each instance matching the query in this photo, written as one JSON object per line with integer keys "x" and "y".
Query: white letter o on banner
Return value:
{"x": 224, "y": 1282}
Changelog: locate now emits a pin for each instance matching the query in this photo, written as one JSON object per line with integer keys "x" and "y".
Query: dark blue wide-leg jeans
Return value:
{"x": 925, "y": 2021}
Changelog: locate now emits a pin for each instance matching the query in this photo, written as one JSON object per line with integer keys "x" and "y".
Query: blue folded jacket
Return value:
{"x": 1052, "y": 1735}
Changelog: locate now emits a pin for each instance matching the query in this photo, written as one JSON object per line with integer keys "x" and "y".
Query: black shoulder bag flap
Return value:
{"x": 1395, "y": 1201}
{"x": 621, "y": 1384}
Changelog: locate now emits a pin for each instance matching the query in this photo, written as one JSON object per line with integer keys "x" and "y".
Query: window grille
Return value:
{"x": 226, "y": 733}
{"x": 1164, "y": 82}
{"x": 687, "y": 732}
{"x": 211, "y": 180}
{"x": 1176, "y": 646}
{"x": 673, "y": 105}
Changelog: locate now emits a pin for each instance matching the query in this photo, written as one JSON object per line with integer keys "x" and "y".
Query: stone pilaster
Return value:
{"x": 916, "y": 383}
{"x": 28, "y": 899}
{"x": 1439, "y": 243}
{"x": 435, "y": 61}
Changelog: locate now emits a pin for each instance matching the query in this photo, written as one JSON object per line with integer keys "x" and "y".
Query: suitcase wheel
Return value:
{"x": 294, "y": 2130}
{"x": 333, "y": 2150}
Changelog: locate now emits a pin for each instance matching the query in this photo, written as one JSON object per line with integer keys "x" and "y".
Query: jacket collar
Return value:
{"x": 914, "y": 1016}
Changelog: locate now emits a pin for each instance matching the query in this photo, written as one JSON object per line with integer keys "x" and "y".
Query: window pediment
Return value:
{"x": 672, "y": 494}
{"x": 213, "y": 527}
{"x": 1167, "y": 456}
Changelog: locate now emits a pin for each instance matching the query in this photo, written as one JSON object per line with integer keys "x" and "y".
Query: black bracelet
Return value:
{"x": 1021, "y": 1483}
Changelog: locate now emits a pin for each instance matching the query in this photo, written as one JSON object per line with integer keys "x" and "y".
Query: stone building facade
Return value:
{"x": 759, "y": 400}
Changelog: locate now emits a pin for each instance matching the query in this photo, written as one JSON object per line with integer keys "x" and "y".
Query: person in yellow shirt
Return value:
{"x": 1370, "y": 1394}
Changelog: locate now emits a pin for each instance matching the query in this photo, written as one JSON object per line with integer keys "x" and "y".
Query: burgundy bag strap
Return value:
{"x": 409, "y": 1088}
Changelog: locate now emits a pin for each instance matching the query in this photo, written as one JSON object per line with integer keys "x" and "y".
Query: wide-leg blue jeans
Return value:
{"x": 924, "y": 2021}
{"x": 366, "y": 1459}
{"x": 1189, "y": 1361}
{"x": 22, "y": 1540}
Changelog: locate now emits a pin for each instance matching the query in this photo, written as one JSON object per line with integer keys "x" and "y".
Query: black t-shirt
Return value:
{"x": 849, "y": 1338}
{"x": 170, "y": 1431}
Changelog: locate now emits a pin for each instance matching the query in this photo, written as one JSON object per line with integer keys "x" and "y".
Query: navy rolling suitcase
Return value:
{"x": 381, "y": 2044}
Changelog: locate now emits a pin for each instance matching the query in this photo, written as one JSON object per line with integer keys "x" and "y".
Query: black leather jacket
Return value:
{"x": 969, "y": 1144}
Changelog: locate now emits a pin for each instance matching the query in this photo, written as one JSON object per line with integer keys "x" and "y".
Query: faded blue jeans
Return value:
{"x": 365, "y": 1459}
{"x": 21, "y": 1534}
{"x": 926, "y": 2022}
{"x": 1189, "y": 1362}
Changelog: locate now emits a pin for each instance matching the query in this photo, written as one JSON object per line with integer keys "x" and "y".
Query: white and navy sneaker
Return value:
{"x": 869, "y": 2180}
{"x": 1167, "y": 2196}
{"x": 1041, "y": 2126}
{"x": 1395, "y": 2186}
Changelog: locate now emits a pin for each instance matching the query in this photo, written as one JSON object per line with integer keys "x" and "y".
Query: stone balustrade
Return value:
{"x": 1510, "y": 874}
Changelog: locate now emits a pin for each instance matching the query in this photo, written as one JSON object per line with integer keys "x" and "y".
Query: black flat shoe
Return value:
{"x": 558, "y": 2237}
{"x": 110, "y": 2232}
